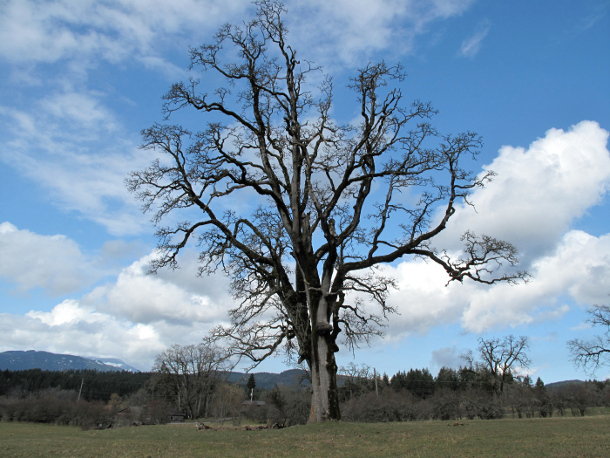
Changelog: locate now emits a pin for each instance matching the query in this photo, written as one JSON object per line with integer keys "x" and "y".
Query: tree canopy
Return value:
{"x": 499, "y": 359}
{"x": 327, "y": 202}
{"x": 595, "y": 352}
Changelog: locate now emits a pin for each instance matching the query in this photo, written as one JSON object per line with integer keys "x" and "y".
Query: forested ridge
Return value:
{"x": 96, "y": 385}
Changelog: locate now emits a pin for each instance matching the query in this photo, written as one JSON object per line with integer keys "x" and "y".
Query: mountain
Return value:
{"x": 115, "y": 363}
{"x": 23, "y": 360}
{"x": 267, "y": 380}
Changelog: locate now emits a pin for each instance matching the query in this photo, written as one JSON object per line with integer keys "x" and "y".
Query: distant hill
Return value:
{"x": 290, "y": 378}
{"x": 267, "y": 380}
{"x": 563, "y": 384}
{"x": 24, "y": 360}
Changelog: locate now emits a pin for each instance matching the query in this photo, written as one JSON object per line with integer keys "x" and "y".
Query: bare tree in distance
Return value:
{"x": 189, "y": 375}
{"x": 329, "y": 203}
{"x": 499, "y": 357}
{"x": 590, "y": 354}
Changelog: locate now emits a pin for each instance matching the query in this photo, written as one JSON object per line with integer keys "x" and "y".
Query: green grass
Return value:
{"x": 552, "y": 437}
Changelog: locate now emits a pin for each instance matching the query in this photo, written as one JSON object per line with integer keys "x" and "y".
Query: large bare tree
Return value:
{"x": 595, "y": 352}
{"x": 327, "y": 202}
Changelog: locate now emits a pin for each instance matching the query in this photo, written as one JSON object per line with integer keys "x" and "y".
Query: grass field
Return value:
{"x": 552, "y": 437}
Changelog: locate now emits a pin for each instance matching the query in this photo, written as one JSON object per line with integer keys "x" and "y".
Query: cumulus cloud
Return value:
{"x": 179, "y": 297}
{"x": 539, "y": 191}
{"x": 54, "y": 263}
{"x": 579, "y": 268}
{"x": 421, "y": 298}
{"x": 142, "y": 314}
{"x": 72, "y": 328}
{"x": 134, "y": 318}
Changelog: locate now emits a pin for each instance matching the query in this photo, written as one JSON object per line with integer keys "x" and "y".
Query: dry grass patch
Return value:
{"x": 552, "y": 437}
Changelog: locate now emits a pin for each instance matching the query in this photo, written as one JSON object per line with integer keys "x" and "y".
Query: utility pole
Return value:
{"x": 81, "y": 390}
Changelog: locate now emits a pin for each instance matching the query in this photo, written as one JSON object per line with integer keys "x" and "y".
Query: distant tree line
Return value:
{"x": 194, "y": 380}
{"x": 96, "y": 385}
{"x": 466, "y": 392}
{"x": 486, "y": 387}
{"x": 86, "y": 398}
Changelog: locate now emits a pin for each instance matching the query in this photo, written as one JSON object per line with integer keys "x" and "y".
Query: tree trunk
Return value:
{"x": 324, "y": 399}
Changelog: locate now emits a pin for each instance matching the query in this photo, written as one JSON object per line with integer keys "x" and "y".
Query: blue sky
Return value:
{"x": 82, "y": 78}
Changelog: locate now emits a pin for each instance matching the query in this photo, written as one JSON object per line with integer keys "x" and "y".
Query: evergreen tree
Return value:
{"x": 420, "y": 383}
{"x": 447, "y": 379}
{"x": 251, "y": 384}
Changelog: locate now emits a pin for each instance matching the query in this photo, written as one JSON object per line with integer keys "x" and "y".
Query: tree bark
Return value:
{"x": 324, "y": 399}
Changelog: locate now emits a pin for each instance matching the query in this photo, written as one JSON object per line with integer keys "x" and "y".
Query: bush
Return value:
{"x": 55, "y": 408}
{"x": 446, "y": 405}
{"x": 389, "y": 406}
{"x": 154, "y": 413}
{"x": 283, "y": 406}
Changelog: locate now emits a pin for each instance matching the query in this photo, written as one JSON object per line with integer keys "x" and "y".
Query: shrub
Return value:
{"x": 389, "y": 406}
{"x": 446, "y": 405}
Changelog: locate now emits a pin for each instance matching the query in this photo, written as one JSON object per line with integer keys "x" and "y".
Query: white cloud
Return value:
{"x": 532, "y": 202}
{"x": 346, "y": 30}
{"x": 538, "y": 191}
{"x": 92, "y": 185}
{"x": 472, "y": 45}
{"x": 422, "y": 299}
{"x": 448, "y": 8}
{"x": 62, "y": 117}
{"x": 50, "y": 31}
{"x": 350, "y": 32}
{"x": 72, "y": 145}
{"x": 116, "y": 30}
{"x": 170, "y": 296}
{"x": 68, "y": 312}
{"x": 83, "y": 109}
{"x": 140, "y": 314}
{"x": 579, "y": 268}
{"x": 74, "y": 329}
{"x": 54, "y": 262}
{"x": 62, "y": 146}
{"x": 134, "y": 318}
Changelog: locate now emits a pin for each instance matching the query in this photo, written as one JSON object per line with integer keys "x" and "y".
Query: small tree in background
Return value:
{"x": 544, "y": 403}
{"x": 187, "y": 376}
{"x": 227, "y": 402}
{"x": 250, "y": 385}
{"x": 447, "y": 379}
{"x": 590, "y": 354}
{"x": 420, "y": 383}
